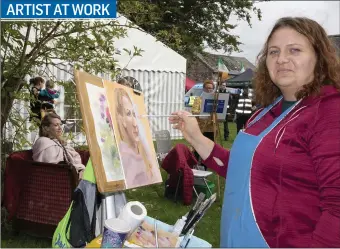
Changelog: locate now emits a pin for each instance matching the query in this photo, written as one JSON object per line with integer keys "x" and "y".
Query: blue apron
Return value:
{"x": 238, "y": 225}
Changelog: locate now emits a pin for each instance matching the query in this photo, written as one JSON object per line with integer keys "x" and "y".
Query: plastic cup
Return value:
{"x": 115, "y": 233}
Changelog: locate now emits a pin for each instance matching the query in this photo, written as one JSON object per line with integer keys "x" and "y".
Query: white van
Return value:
{"x": 195, "y": 91}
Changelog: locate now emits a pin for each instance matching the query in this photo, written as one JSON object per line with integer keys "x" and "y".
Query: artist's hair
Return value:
{"x": 326, "y": 71}
{"x": 207, "y": 82}
{"x": 49, "y": 84}
{"x": 125, "y": 82}
{"x": 46, "y": 122}
{"x": 119, "y": 93}
{"x": 36, "y": 80}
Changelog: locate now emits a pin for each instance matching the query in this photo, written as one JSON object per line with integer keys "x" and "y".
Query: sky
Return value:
{"x": 326, "y": 13}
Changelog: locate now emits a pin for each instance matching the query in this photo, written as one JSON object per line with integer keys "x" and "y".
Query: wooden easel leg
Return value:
{"x": 218, "y": 186}
{"x": 216, "y": 134}
{"x": 218, "y": 177}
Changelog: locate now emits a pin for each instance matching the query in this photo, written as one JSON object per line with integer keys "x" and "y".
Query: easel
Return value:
{"x": 110, "y": 207}
{"x": 112, "y": 203}
{"x": 215, "y": 122}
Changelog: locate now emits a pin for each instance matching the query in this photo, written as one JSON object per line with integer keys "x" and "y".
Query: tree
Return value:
{"x": 27, "y": 45}
{"x": 187, "y": 25}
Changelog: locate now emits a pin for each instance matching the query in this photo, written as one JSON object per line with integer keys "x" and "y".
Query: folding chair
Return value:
{"x": 163, "y": 143}
{"x": 201, "y": 176}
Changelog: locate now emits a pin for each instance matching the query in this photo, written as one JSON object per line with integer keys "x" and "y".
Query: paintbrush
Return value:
{"x": 164, "y": 116}
{"x": 194, "y": 217}
{"x": 193, "y": 210}
{"x": 156, "y": 233}
{"x": 191, "y": 232}
{"x": 201, "y": 212}
{"x": 199, "y": 200}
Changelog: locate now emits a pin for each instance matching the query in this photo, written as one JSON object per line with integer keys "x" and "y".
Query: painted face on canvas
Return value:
{"x": 290, "y": 60}
{"x": 54, "y": 129}
{"x": 129, "y": 120}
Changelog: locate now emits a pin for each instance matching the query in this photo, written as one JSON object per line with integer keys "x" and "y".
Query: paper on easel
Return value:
{"x": 207, "y": 105}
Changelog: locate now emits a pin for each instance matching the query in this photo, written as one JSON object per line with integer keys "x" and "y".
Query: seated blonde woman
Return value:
{"x": 51, "y": 148}
{"x": 138, "y": 167}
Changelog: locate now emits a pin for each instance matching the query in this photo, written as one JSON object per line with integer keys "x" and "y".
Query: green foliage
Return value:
{"x": 186, "y": 25}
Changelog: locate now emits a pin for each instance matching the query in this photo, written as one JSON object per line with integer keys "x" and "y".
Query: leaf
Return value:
{"x": 127, "y": 51}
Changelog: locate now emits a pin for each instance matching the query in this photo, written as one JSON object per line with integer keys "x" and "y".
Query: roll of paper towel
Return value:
{"x": 134, "y": 213}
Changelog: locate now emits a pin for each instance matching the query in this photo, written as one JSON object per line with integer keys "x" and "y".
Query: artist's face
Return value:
{"x": 129, "y": 121}
{"x": 291, "y": 59}
{"x": 208, "y": 88}
{"x": 54, "y": 129}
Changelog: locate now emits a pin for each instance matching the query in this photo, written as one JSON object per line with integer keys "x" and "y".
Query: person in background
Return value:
{"x": 283, "y": 171}
{"x": 206, "y": 125}
{"x": 48, "y": 95}
{"x": 243, "y": 110}
{"x": 125, "y": 82}
{"x": 36, "y": 84}
{"x": 50, "y": 146}
{"x": 223, "y": 89}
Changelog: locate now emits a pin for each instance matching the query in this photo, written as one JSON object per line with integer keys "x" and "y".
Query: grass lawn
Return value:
{"x": 156, "y": 204}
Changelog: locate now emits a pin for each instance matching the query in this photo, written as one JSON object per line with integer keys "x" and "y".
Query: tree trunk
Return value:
{"x": 12, "y": 86}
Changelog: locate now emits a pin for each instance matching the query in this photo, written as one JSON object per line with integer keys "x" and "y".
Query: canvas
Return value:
{"x": 133, "y": 136}
{"x": 120, "y": 142}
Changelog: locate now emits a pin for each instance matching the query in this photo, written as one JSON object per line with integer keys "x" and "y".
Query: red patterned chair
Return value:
{"x": 37, "y": 195}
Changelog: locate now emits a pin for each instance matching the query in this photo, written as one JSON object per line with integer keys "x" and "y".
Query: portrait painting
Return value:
{"x": 133, "y": 136}
{"x": 119, "y": 139}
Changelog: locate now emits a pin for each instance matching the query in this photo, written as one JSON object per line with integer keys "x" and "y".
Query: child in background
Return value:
{"x": 47, "y": 96}
{"x": 49, "y": 93}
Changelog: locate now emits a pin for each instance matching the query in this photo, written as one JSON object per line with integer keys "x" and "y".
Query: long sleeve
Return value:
{"x": 218, "y": 160}
{"x": 325, "y": 151}
{"x": 75, "y": 158}
{"x": 49, "y": 94}
{"x": 43, "y": 93}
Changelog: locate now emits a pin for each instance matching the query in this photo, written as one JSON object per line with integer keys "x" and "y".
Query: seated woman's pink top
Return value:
{"x": 295, "y": 175}
{"x": 49, "y": 150}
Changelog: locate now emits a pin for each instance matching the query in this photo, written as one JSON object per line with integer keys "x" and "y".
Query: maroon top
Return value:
{"x": 181, "y": 159}
{"x": 295, "y": 175}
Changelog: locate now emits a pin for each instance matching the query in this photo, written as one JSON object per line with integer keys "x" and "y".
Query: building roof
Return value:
{"x": 204, "y": 64}
{"x": 246, "y": 76}
{"x": 336, "y": 41}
